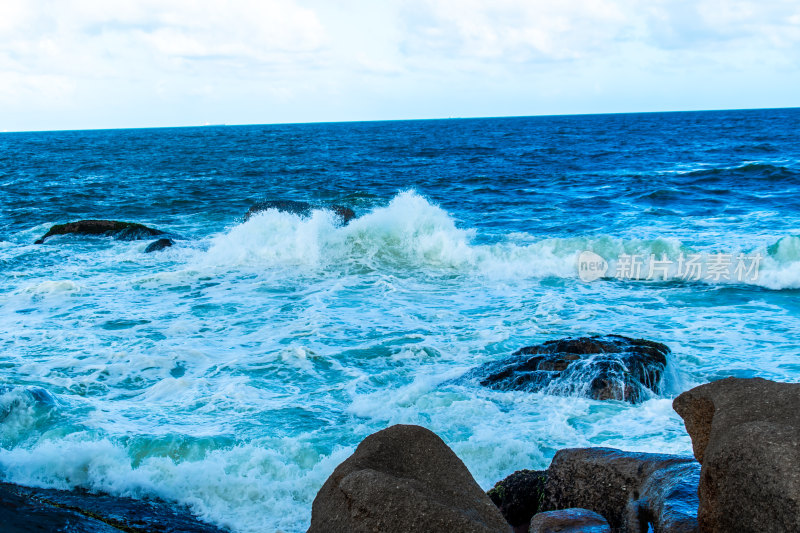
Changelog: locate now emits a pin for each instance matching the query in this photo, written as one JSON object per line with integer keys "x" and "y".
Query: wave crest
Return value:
{"x": 411, "y": 234}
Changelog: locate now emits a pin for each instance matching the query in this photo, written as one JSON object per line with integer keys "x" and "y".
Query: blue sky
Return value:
{"x": 73, "y": 64}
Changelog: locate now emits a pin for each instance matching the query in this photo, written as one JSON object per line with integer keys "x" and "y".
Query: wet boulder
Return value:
{"x": 520, "y": 496}
{"x": 123, "y": 231}
{"x": 25, "y": 509}
{"x": 746, "y": 434}
{"x": 303, "y": 209}
{"x": 608, "y": 367}
{"x": 569, "y": 521}
{"x": 633, "y": 491}
{"x": 158, "y": 245}
{"x": 403, "y": 478}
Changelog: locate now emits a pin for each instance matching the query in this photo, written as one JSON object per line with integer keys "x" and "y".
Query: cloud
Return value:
{"x": 513, "y": 31}
{"x": 509, "y": 30}
{"x": 114, "y": 62}
{"x": 99, "y": 38}
{"x": 718, "y": 23}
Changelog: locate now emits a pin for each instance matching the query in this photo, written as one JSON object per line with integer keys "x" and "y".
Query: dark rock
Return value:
{"x": 124, "y": 231}
{"x": 345, "y": 213}
{"x": 609, "y": 367}
{"x": 24, "y": 509}
{"x": 302, "y": 209}
{"x": 569, "y": 521}
{"x": 633, "y": 491}
{"x": 519, "y": 497}
{"x": 746, "y": 434}
{"x": 158, "y": 245}
{"x": 136, "y": 232}
{"x": 403, "y": 478}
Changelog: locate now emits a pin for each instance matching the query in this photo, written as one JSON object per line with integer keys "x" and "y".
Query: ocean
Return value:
{"x": 233, "y": 371}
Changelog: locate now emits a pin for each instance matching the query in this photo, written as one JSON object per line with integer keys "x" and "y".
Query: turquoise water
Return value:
{"x": 235, "y": 370}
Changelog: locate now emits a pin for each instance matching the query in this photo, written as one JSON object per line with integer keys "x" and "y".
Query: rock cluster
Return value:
{"x": 633, "y": 491}
{"x": 607, "y": 367}
{"x": 745, "y": 433}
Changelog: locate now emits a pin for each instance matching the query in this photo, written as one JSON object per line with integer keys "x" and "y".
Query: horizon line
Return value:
{"x": 311, "y": 122}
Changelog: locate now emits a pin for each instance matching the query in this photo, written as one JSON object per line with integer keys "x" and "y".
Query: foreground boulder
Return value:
{"x": 520, "y": 496}
{"x": 608, "y": 367}
{"x": 632, "y": 491}
{"x": 569, "y": 521}
{"x": 303, "y": 209}
{"x": 24, "y": 509}
{"x": 746, "y": 434}
{"x": 403, "y": 478}
{"x": 123, "y": 231}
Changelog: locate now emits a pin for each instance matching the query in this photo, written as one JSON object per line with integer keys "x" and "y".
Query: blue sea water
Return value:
{"x": 235, "y": 370}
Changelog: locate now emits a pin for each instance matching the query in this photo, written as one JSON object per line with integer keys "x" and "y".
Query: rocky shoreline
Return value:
{"x": 26, "y": 509}
{"x": 744, "y": 477}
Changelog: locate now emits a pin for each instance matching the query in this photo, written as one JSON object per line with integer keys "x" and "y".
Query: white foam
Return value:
{"x": 781, "y": 266}
{"x": 248, "y": 488}
{"x": 53, "y": 287}
{"x": 251, "y": 363}
{"x": 409, "y": 234}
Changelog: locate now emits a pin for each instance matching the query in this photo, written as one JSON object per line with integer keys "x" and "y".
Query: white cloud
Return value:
{"x": 521, "y": 31}
{"x": 108, "y": 38}
{"x": 715, "y": 23}
{"x": 266, "y": 60}
{"x": 511, "y": 30}
{"x": 16, "y": 89}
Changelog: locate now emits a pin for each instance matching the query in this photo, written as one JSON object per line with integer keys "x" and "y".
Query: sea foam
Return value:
{"x": 412, "y": 235}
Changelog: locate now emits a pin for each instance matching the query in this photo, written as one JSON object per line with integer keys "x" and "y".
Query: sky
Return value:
{"x": 76, "y": 64}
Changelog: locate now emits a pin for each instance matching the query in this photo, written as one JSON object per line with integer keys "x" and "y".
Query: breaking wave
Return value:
{"x": 411, "y": 234}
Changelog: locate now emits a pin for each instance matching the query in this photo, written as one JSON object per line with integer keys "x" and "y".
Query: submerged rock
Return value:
{"x": 345, "y": 214}
{"x": 569, "y": 521}
{"x": 633, "y": 491}
{"x": 520, "y": 496}
{"x": 609, "y": 367}
{"x": 403, "y": 478}
{"x": 123, "y": 231}
{"x": 158, "y": 245}
{"x": 746, "y": 434}
{"x": 24, "y": 509}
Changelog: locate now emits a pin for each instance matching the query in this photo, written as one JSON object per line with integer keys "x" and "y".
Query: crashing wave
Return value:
{"x": 412, "y": 234}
